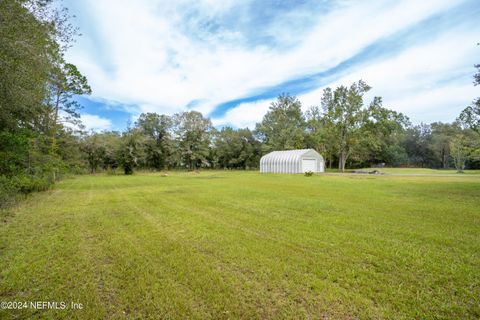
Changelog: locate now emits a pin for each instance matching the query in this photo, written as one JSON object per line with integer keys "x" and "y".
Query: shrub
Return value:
{"x": 28, "y": 184}
{"x": 12, "y": 188}
{"x": 8, "y": 192}
{"x": 128, "y": 168}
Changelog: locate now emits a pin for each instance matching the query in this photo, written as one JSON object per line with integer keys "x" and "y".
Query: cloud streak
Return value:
{"x": 229, "y": 58}
{"x": 95, "y": 123}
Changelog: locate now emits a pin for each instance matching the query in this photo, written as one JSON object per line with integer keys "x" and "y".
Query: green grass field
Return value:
{"x": 243, "y": 245}
{"x": 423, "y": 171}
{"x": 411, "y": 171}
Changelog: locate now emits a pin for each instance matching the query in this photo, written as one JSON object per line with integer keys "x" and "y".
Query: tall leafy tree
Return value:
{"x": 380, "y": 135}
{"x": 65, "y": 82}
{"x": 319, "y": 134}
{"x": 193, "y": 133}
{"x": 26, "y": 53}
{"x": 345, "y": 114}
{"x": 237, "y": 148}
{"x": 470, "y": 116}
{"x": 460, "y": 151}
{"x": 131, "y": 151}
{"x": 102, "y": 150}
{"x": 442, "y": 136}
{"x": 158, "y": 144}
{"x": 94, "y": 151}
{"x": 34, "y": 35}
{"x": 283, "y": 126}
{"x": 112, "y": 141}
{"x": 417, "y": 143}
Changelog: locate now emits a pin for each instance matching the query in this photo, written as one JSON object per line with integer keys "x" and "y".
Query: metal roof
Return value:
{"x": 288, "y": 154}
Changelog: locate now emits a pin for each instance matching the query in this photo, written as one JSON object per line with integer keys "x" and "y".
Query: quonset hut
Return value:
{"x": 292, "y": 161}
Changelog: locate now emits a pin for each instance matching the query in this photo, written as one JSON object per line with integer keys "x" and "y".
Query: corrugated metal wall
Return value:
{"x": 289, "y": 161}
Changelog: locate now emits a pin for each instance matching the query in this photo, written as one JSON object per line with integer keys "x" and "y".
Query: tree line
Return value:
{"x": 343, "y": 128}
{"x": 38, "y": 111}
{"x": 37, "y": 89}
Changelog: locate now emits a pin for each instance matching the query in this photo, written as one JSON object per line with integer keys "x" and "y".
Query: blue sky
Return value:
{"x": 229, "y": 59}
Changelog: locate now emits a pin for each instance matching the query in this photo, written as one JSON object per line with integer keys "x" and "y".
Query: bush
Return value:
{"x": 308, "y": 173}
{"x": 11, "y": 188}
{"x": 28, "y": 184}
{"x": 128, "y": 169}
{"x": 8, "y": 192}
{"x": 13, "y": 153}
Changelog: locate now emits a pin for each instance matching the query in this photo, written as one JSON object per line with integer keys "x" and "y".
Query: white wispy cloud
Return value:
{"x": 428, "y": 82}
{"x": 244, "y": 115}
{"x": 95, "y": 123}
{"x": 161, "y": 55}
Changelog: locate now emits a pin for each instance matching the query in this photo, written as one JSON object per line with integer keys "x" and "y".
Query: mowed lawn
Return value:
{"x": 215, "y": 245}
{"x": 422, "y": 171}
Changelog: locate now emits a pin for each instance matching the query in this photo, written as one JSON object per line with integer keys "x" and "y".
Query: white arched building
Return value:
{"x": 292, "y": 161}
